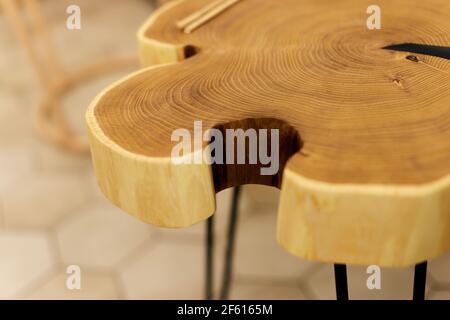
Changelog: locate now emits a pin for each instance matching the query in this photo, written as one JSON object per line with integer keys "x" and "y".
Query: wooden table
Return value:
{"x": 364, "y": 127}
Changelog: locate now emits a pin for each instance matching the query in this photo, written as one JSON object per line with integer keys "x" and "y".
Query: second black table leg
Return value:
{"x": 209, "y": 285}
{"x": 228, "y": 272}
{"x": 340, "y": 279}
{"x": 420, "y": 281}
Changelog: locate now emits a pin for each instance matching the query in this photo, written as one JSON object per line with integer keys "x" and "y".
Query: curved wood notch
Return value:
{"x": 265, "y": 143}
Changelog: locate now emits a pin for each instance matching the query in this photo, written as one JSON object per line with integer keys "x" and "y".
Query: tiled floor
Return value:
{"x": 52, "y": 214}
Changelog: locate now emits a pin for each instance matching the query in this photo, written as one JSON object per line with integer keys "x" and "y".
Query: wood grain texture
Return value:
{"x": 366, "y": 130}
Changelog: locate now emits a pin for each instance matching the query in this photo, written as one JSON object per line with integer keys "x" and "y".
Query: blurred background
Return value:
{"x": 52, "y": 214}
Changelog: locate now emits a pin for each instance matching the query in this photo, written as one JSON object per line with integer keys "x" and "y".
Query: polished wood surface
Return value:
{"x": 365, "y": 131}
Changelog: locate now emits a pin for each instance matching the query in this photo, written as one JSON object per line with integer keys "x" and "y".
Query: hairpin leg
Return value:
{"x": 340, "y": 279}
{"x": 227, "y": 271}
{"x": 209, "y": 258}
{"x": 420, "y": 281}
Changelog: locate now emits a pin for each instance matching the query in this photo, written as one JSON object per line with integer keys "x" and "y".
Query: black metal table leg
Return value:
{"x": 420, "y": 281}
{"x": 340, "y": 279}
{"x": 231, "y": 236}
{"x": 209, "y": 285}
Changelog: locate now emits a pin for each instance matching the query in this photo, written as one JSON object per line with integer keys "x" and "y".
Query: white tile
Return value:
{"x": 320, "y": 282}
{"x": 100, "y": 236}
{"x": 257, "y": 251}
{"x": 167, "y": 271}
{"x": 94, "y": 285}
{"x": 439, "y": 268}
{"x": 15, "y": 163}
{"x": 265, "y": 292}
{"x": 25, "y": 257}
{"x": 40, "y": 200}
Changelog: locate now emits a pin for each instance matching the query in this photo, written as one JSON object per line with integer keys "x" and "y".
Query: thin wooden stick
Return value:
{"x": 197, "y": 14}
{"x": 210, "y": 15}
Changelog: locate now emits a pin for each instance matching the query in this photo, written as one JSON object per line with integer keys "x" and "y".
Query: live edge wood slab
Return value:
{"x": 365, "y": 131}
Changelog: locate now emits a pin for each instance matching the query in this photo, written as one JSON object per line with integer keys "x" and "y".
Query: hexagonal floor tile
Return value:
{"x": 168, "y": 271}
{"x": 439, "y": 275}
{"x": 257, "y": 250}
{"x": 439, "y": 295}
{"x": 320, "y": 282}
{"x": 50, "y": 158}
{"x": 25, "y": 257}
{"x": 41, "y": 200}
{"x": 439, "y": 268}
{"x": 15, "y": 163}
{"x": 100, "y": 236}
{"x": 240, "y": 291}
{"x": 94, "y": 285}
{"x": 16, "y": 123}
